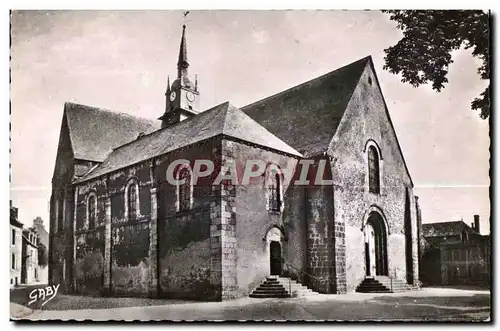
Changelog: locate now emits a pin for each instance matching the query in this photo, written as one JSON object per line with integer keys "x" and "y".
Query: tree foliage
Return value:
{"x": 423, "y": 55}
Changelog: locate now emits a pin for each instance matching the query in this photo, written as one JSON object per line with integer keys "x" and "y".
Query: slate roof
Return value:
{"x": 443, "y": 229}
{"x": 94, "y": 132}
{"x": 444, "y": 234}
{"x": 307, "y": 116}
{"x": 222, "y": 119}
{"x": 15, "y": 222}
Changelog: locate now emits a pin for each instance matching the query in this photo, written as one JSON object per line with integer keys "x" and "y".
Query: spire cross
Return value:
{"x": 186, "y": 13}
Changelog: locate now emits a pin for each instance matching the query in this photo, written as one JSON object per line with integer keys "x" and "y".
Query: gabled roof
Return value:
{"x": 307, "y": 116}
{"x": 443, "y": 229}
{"x": 15, "y": 222}
{"x": 224, "y": 119}
{"x": 94, "y": 132}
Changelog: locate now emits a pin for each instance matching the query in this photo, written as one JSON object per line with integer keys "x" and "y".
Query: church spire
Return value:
{"x": 182, "y": 63}
{"x": 182, "y": 97}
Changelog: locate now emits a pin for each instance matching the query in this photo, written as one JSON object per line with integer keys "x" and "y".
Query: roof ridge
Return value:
{"x": 79, "y": 106}
{"x": 227, "y": 104}
{"x": 441, "y": 222}
{"x": 366, "y": 58}
{"x": 184, "y": 122}
{"x": 237, "y": 110}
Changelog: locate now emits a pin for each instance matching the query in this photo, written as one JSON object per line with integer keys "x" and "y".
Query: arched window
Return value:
{"x": 274, "y": 188}
{"x": 91, "y": 211}
{"x": 185, "y": 189}
{"x": 373, "y": 170}
{"x": 132, "y": 200}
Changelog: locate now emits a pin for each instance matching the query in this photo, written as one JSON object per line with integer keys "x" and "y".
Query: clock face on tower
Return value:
{"x": 172, "y": 96}
{"x": 190, "y": 96}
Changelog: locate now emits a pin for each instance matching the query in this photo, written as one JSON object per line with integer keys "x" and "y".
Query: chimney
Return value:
{"x": 476, "y": 223}
{"x": 38, "y": 221}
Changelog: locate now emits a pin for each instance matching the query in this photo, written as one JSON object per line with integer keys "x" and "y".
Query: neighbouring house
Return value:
{"x": 119, "y": 226}
{"x": 29, "y": 270}
{"x": 455, "y": 253}
{"x": 43, "y": 246}
{"x": 15, "y": 235}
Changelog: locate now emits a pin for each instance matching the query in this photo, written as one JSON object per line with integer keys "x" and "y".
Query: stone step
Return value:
{"x": 271, "y": 285}
{"x": 270, "y": 288}
{"x": 296, "y": 288}
{"x": 280, "y": 287}
{"x": 265, "y": 289}
{"x": 381, "y": 284}
{"x": 276, "y": 293}
{"x": 266, "y": 295}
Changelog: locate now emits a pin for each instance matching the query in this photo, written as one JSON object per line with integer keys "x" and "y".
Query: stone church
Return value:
{"x": 119, "y": 227}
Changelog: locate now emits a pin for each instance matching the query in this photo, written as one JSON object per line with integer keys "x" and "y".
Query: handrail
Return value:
{"x": 301, "y": 272}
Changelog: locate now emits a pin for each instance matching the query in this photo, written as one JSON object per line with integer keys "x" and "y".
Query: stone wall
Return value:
{"x": 189, "y": 252}
{"x": 247, "y": 221}
{"x": 320, "y": 250}
{"x": 60, "y": 219}
{"x": 366, "y": 119}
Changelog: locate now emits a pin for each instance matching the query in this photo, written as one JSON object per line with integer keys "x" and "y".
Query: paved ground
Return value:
{"x": 424, "y": 305}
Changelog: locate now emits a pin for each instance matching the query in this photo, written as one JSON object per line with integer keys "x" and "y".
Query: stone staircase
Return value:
{"x": 382, "y": 284}
{"x": 279, "y": 287}
{"x": 297, "y": 289}
{"x": 270, "y": 288}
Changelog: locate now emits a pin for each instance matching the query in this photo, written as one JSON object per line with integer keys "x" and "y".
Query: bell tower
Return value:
{"x": 182, "y": 97}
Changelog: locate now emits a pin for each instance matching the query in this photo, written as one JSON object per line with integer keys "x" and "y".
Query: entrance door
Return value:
{"x": 367, "y": 259}
{"x": 371, "y": 258}
{"x": 375, "y": 246}
{"x": 275, "y": 250}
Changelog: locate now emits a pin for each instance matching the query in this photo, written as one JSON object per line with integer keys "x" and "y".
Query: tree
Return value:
{"x": 424, "y": 53}
{"x": 43, "y": 258}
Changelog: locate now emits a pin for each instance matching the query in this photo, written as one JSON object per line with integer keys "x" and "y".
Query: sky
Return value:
{"x": 120, "y": 60}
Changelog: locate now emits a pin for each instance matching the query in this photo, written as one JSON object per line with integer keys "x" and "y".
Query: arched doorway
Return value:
{"x": 275, "y": 258}
{"x": 375, "y": 246}
{"x": 274, "y": 250}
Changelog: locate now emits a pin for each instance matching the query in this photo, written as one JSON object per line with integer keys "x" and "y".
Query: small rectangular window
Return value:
{"x": 13, "y": 262}
{"x": 13, "y": 237}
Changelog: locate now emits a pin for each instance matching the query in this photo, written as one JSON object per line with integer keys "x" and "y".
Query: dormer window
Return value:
{"x": 464, "y": 236}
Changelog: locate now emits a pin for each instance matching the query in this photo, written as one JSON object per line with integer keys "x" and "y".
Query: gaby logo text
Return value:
{"x": 46, "y": 293}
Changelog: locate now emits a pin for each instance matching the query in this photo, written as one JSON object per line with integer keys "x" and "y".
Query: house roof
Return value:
{"x": 94, "y": 132}
{"x": 307, "y": 116}
{"x": 224, "y": 119}
{"x": 15, "y": 222}
{"x": 443, "y": 229}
